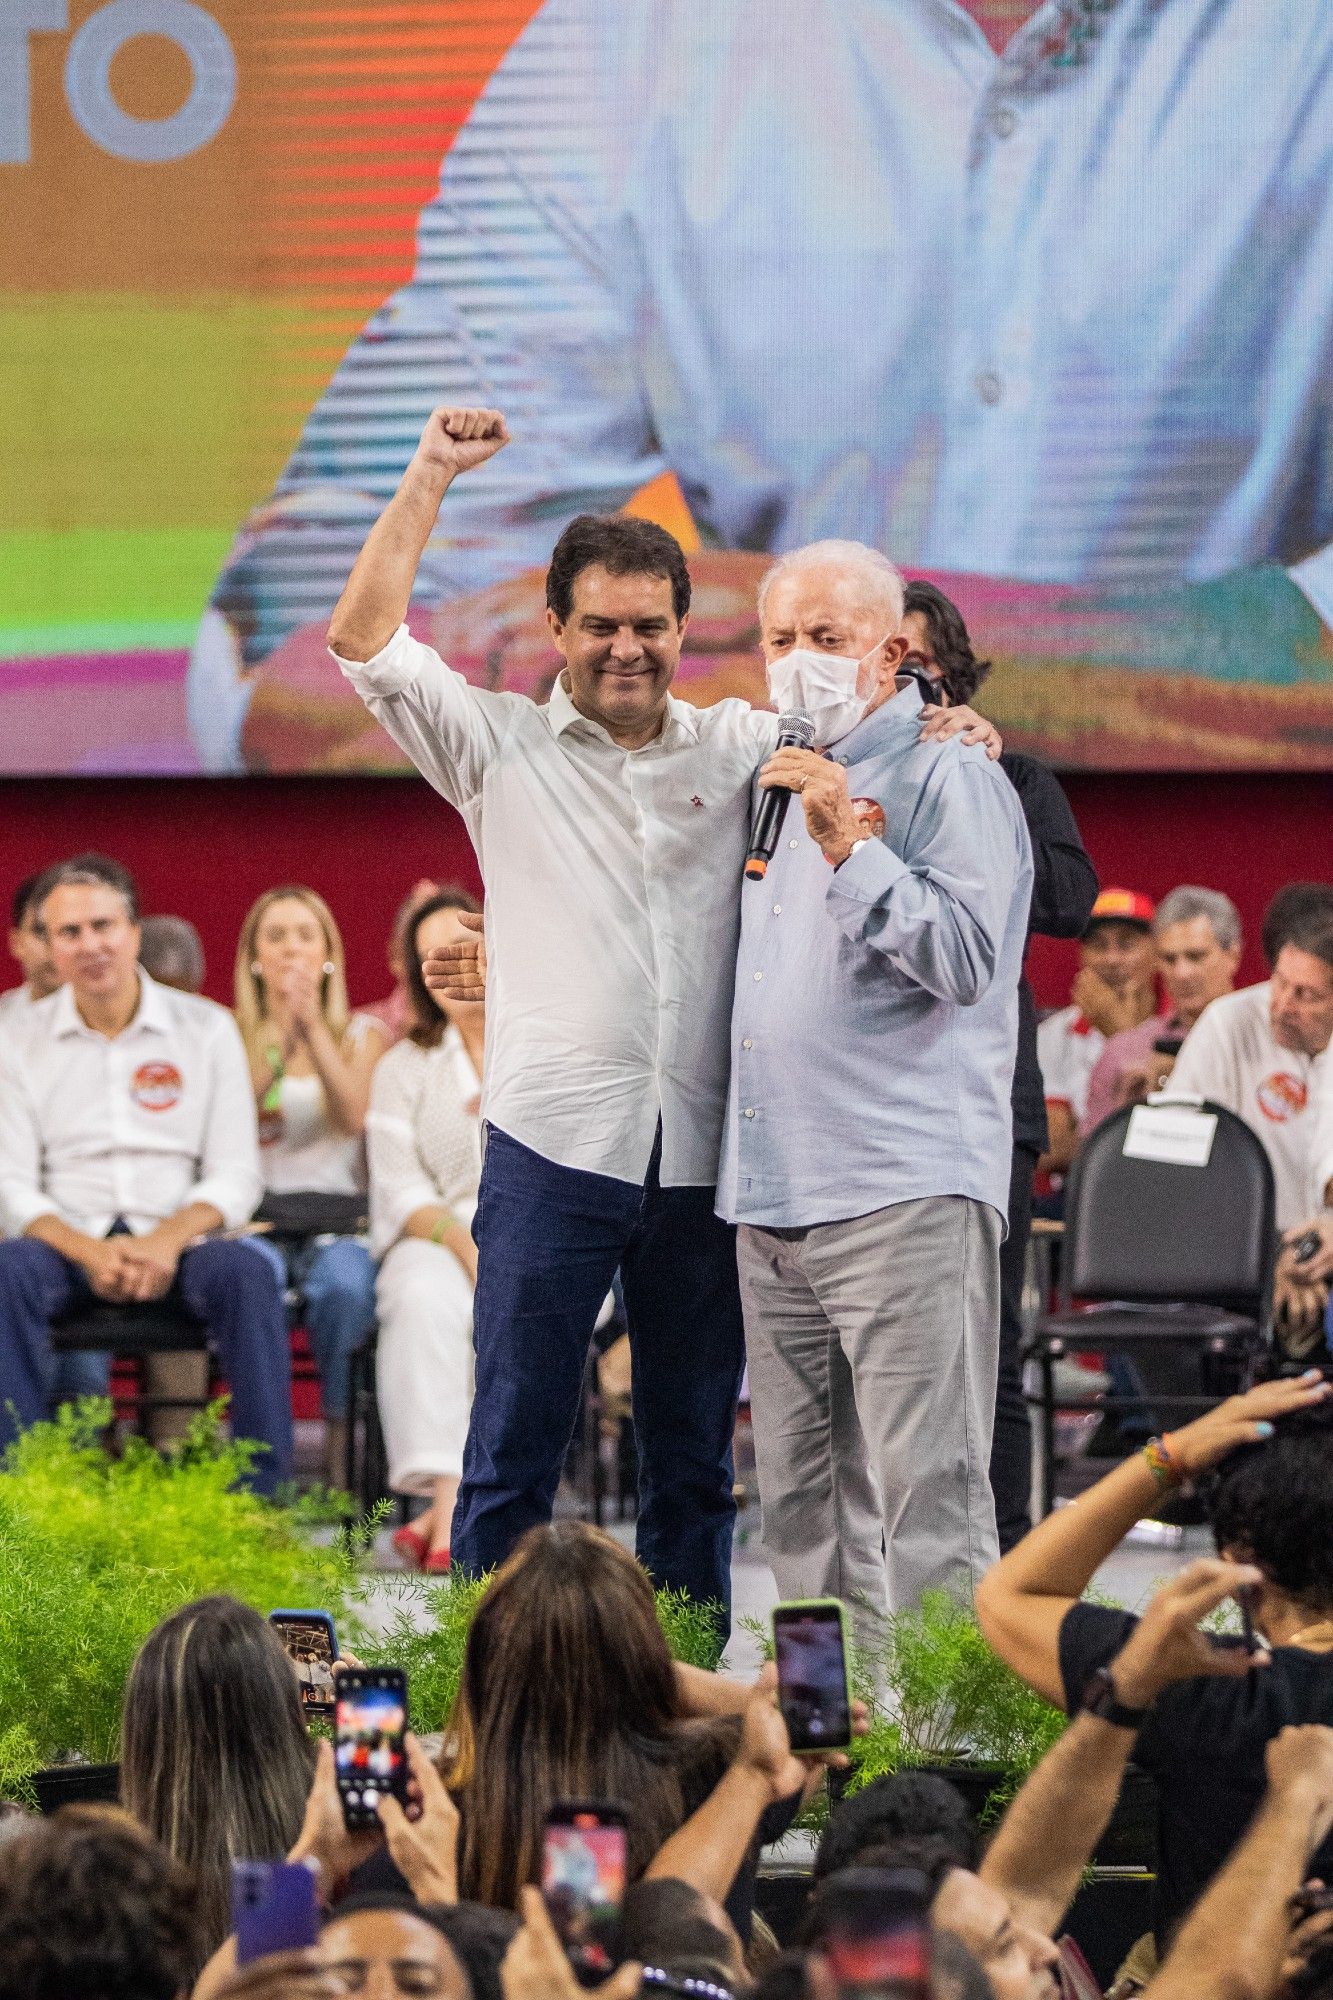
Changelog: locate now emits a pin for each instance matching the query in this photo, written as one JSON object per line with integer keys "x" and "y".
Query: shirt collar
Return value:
{"x": 563, "y": 715}
{"x": 152, "y": 1011}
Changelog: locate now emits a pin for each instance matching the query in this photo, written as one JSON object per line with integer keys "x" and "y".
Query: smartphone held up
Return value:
{"x": 584, "y": 1866}
{"x": 274, "y": 1907}
{"x": 369, "y": 1752}
{"x": 311, "y": 1644}
{"x": 810, "y": 1651}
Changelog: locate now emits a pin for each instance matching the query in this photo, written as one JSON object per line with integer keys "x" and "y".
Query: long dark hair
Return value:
{"x": 430, "y": 1016}
{"x": 961, "y": 670}
{"x": 215, "y": 1759}
{"x": 568, "y": 1692}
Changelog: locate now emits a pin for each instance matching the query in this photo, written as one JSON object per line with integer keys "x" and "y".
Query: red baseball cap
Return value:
{"x": 1122, "y": 906}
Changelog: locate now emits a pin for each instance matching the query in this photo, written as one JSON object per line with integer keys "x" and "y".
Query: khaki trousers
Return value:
{"x": 873, "y": 1346}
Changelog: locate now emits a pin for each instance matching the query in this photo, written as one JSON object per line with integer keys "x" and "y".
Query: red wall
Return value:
{"x": 204, "y": 848}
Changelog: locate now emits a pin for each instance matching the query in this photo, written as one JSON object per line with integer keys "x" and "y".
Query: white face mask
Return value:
{"x": 824, "y": 685}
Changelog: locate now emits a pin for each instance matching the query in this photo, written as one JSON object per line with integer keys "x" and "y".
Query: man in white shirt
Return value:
{"x": 1262, "y": 1053}
{"x": 28, "y": 948}
{"x": 1114, "y": 988}
{"x": 671, "y": 262}
{"x": 128, "y": 1139}
{"x": 611, "y": 825}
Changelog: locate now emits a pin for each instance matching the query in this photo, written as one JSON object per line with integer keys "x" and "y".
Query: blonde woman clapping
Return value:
{"x": 311, "y": 1062}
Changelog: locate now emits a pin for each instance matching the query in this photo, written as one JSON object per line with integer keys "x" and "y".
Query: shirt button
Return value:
{"x": 777, "y": 909}
{"x": 791, "y": 843}
{"x": 989, "y": 386}
{"x": 748, "y": 1113}
{"x": 1003, "y": 121}
{"x": 747, "y": 1043}
{"x": 759, "y": 975}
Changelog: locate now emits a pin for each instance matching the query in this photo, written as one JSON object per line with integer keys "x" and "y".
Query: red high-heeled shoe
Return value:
{"x": 411, "y": 1545}
{"x": 437, "y": 1563}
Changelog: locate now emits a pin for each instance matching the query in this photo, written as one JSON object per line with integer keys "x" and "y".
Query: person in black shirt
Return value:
{"x": 1264, "y": 1465}
{"x": 1064, "y": 888}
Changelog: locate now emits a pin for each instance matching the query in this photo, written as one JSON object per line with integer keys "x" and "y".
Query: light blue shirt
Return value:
{"x": 846, "y": 271}
{"x": 876, "y": 1016}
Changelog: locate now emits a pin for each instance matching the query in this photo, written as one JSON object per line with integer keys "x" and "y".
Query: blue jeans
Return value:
{"x": 221, "y": 1284}
{"x": 337, "y": 1281}
{"x": 550, "y": 1239}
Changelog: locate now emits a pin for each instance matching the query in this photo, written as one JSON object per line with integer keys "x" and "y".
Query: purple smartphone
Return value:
{"x": 274, "y": 1907}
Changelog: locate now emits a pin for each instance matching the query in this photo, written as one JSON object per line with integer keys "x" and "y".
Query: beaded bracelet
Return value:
{"x": 1163, "y": 1467}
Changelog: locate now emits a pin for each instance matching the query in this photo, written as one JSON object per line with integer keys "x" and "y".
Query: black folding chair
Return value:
{"x": 366, "y": 1474}
{"x": 134, "y": 1332}
{"x": 1171, "y": 1264}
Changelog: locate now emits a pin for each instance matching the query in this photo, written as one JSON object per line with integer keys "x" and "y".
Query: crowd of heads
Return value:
{"x": 49, "y": 951}
{"x": 567, "y": 1692}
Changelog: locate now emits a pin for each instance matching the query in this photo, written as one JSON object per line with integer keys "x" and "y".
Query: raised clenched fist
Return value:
{"x": 456, "y": 441}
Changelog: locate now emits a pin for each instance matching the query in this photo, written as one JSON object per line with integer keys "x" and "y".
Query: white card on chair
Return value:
{"x": 1174, "y": 1133}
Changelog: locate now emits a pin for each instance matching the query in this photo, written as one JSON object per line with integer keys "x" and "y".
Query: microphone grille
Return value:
{"x": 796, "y": 722}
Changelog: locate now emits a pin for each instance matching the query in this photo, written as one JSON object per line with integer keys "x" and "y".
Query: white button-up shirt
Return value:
{"x": 612, "y": 906}
{"x": 15, "y": 1005}
{"x": 138, "y": 1125}
{"x": 847, "y": 271}
{"x": 1232, "y": 1056}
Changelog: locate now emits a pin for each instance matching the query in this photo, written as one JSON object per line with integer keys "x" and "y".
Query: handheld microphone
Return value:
{"x": 796, "y": 731}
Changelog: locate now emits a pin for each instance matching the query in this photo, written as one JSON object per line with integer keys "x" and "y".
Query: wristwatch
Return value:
{"x": 864, "y": 841}
{"x": 1100, "y": 1699}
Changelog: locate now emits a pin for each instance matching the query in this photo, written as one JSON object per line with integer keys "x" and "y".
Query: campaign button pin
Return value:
{"x": 156, "y": 1086}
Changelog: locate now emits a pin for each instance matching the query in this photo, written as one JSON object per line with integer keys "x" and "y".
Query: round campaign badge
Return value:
{"x": 1281, "y": 1096}
{"x": 156, "y": 1086}
{"x": 871, "y": 815}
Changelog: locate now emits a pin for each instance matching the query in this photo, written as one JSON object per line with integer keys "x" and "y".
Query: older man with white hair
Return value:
{"x": 867, "y": 1142}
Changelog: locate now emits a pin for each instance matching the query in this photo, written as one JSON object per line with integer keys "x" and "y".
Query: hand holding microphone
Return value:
{"x": 796, "y": 731}
{"x": 830, "y": 817}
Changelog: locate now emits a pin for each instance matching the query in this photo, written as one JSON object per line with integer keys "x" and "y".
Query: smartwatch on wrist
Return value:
{"x": 1101, "y": 1699}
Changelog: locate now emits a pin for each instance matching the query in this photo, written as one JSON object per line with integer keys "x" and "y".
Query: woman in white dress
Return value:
{"x": 424, "y": 1141}
{"x": 311, "y": 1061}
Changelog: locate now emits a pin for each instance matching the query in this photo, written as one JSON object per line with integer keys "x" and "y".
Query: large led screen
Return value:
{"x": 1035, "y": 298}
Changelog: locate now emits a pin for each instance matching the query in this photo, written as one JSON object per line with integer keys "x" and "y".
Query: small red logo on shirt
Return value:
{"x": 156, "y": 1086}
{"x": 1281, "y": 1096}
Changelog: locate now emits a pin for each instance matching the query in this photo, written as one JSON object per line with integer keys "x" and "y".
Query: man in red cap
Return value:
{"x": 1115, "y": 988}
{"x": 1196, "y": 935}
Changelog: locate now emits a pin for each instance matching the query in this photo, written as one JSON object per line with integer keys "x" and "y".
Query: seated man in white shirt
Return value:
{"x": 128, "y": 1139}
{"x": 1261, "y": 1053}
{"x": 27, "y": 947}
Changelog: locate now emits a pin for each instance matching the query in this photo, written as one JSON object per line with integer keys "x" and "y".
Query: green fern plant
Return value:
{"x": 939, "y": 1695}
{"x": 94, "y": 1552}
